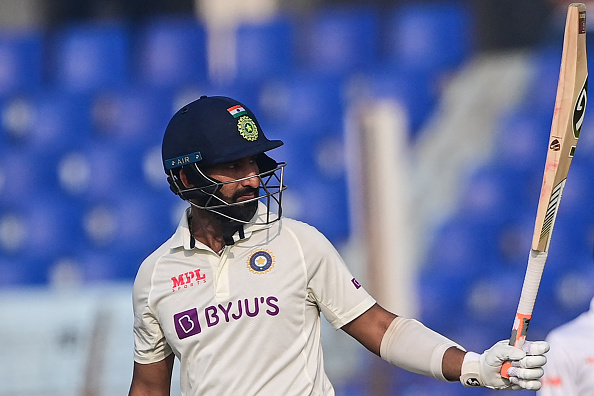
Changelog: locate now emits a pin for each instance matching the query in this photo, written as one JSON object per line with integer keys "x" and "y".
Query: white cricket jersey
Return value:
{"x": 246, "y": 322}
{"x": 570, "y": 362}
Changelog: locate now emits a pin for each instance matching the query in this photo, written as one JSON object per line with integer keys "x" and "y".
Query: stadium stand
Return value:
{"x": 87, "y": 56}
{"x": 21, "y": 61}
{"x": 169, "y": 52}
{"x": 83, "y": 108}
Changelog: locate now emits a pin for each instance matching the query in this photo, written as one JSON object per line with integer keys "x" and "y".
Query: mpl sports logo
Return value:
{"x": 187, "y": 279}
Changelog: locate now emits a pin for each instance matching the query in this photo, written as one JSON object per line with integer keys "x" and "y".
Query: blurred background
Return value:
{"x": 443, "y": 108}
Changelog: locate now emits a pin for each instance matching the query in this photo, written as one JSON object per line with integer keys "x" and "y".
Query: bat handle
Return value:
{"x": 536, "y": 263}
{"x": 504, "y": 367}
{"x": 517, "y": 338}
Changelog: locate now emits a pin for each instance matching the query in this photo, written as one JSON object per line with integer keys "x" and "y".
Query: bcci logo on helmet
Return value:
{"x": 247, "y": 128}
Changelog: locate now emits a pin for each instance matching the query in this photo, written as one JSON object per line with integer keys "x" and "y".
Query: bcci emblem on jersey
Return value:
{"x": 261, "y": 261}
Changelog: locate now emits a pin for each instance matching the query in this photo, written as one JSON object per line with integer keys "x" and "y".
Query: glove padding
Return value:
{"x": 525, "y": 373}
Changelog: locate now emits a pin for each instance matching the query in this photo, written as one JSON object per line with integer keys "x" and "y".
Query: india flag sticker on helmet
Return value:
{"x": 236, "y": 111}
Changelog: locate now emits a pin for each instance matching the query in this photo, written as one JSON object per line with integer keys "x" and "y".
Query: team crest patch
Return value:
{"x": 247, "y": 128}
{"x": 261, "y": 262}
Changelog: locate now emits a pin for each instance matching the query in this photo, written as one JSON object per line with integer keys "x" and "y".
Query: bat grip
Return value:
{"x": 536, "y": 263}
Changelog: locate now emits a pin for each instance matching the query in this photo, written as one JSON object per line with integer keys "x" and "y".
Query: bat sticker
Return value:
{"x": 580, "y": 109}
{"x": 552, "y": 211}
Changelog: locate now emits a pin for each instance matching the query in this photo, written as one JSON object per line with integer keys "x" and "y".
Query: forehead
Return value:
{"x": 249, "y": 158}
{"x": 223, "y": 165}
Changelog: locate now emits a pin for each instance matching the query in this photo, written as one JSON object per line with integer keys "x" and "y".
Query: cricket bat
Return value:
{"x": 568, "y": 116}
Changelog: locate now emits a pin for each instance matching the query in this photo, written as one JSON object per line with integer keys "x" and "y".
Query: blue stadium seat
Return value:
{"x": 440, "y": 295}
{"x": 494, "y": 194}
{"x": 37, "y": 229}
{"x": 495, "y": 295}
{"x": 100, "y": 169}
{"x": 579, "y": 188}
{"x": 309, "y": 154}
{"x": 154, "y": 176}
{"x": 514, "y": 240}
{"x": 429, "y": 36}
{"x": 462, "y": 246}
{"x": 542, "y": 89}
{"x": 265, "y": 49}
{"x": 20, "y": 272}
{"x": 308, "y": 103}
{"x": 170, "y": 51}
{"x": 575, "y": 286}
{"x": 14, "y": 177}
{"x": 420, "y": 385}
{"x": 416, "y": 93}
{"x": 47, "y": 121}
{"x": 585, "y": 149}
{"x": 127, "y": 227}
{"x": 522, "y": 138}
{"x": 25, "y": 174}
{"x": 4, "y": 173}
{"x": 322, "y": 204}
{"x": 478, "y": 336}
{"x": 21, "y": 61}
{"x": 131, "y": 115}
{"x": 96, "y": 266}
{"x": 339, "y": 41}
{"x": 571, "y": 240}
{"x": 90, "y": 56}
{"x": 315, "y": 170}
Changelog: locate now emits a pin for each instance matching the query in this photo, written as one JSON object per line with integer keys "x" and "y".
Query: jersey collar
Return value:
{"x": 181, "y": 237}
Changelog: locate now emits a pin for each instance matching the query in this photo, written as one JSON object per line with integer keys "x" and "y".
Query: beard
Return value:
{"x": 242, "y": 212}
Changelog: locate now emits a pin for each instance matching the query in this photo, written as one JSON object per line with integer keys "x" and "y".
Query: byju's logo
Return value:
{"x": 186, "y": 323}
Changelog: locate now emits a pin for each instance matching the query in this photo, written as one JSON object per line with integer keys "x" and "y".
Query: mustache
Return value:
{"x": 245, "y": 191}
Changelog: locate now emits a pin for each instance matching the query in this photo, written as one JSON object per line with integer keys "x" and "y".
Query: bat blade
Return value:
{"x": 568, "y": 116}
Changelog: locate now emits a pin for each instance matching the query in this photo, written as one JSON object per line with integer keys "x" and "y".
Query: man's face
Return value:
{"x": 239, "y": 191}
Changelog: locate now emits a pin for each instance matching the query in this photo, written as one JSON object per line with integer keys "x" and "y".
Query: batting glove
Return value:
{"x": 525, "y": 372}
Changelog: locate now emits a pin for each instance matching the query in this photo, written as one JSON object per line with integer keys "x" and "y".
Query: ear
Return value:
{"x": 184, "y": 178}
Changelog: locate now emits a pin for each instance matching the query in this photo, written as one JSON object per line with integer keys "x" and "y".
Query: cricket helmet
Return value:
{"x": 214, "y": 130}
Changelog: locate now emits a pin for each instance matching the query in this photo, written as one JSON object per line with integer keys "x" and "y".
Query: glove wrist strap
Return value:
{"x": 471, "y": 370}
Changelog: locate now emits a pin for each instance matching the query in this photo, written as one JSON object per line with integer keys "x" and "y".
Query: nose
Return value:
{"x": 252, "y": 180}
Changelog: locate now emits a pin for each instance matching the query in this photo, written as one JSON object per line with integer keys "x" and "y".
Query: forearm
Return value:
{"x": 152, "y": 379}
{"x": 408, "y": 344}
{"x": 451, "y": 364}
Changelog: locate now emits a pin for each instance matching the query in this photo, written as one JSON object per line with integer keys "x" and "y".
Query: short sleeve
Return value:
{"x": 340, "y": 296}
{"x": 150, "y": 345}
